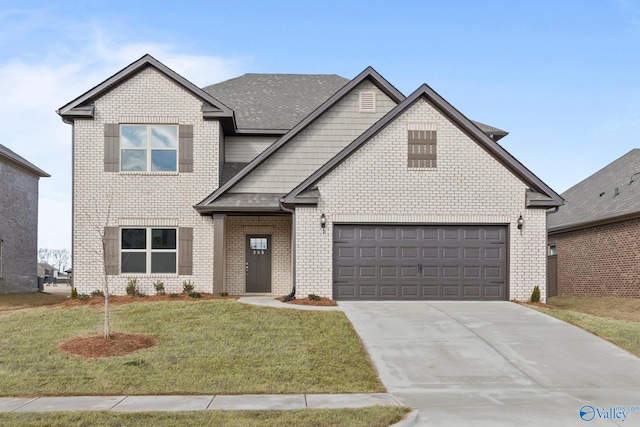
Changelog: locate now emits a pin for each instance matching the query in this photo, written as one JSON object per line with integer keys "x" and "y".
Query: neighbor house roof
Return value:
{"x": 275, "y": 101}
{"x": 611, "y": 194}
{"x": 9, "y": 155}
{"x": 549, "y": 197}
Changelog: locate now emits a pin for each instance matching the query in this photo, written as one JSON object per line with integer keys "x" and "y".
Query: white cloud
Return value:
{"x": 32, "y": 89}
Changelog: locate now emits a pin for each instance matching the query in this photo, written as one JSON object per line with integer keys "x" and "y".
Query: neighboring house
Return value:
{"x": 595, "y": 237}
{"x": 18, "y": 222}
{"x": 341, "y": 188}
{"x": 48, "y": 272}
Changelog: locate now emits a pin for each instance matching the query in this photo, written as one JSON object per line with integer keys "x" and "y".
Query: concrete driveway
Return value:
{"x": 496, "y": 364}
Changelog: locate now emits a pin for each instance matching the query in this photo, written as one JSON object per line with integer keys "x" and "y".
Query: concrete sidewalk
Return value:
{"x": 194, "y": 403}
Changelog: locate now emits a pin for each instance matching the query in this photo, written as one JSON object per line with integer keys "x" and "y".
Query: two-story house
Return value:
{"x": 18, "y": 222}
{"x": 265, "y": 183}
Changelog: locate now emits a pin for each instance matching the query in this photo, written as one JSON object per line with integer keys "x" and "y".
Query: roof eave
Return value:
{"x": 592, "y": 223}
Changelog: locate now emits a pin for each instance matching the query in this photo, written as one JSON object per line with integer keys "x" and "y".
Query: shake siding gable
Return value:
{"x": 316, "y": 144}
{"x": 467, "y": 186}
{"x": 135, "y": 199}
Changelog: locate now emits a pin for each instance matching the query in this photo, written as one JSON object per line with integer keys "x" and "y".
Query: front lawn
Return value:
{"x": 202, "y": 347}
{"x": 375, "y": 416}
{"x": 614, "y": 319}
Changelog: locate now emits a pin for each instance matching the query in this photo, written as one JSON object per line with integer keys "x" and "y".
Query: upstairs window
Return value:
{"x": 149, "y": 148}
{"x": 422, "y": 141}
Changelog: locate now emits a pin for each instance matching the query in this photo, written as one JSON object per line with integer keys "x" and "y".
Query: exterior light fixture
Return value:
{"x": 520, "y": 222}
{"x": 323, "y": 222}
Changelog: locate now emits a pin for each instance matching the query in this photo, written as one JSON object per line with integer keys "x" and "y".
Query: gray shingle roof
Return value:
{"x": 21, "y": 161}
{"x": 596, "y": 199}
{"x": 275, "y": 101}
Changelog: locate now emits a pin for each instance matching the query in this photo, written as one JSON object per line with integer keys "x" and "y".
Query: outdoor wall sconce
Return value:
{"x": 323, "y": 222}
{"x": 520, "y": 222}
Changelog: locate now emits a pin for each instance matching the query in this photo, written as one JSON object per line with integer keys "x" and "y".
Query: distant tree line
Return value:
{"x": 58, "y": 258}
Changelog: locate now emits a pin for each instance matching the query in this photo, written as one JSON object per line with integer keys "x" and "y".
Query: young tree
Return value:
{"x": 43, "y": 255}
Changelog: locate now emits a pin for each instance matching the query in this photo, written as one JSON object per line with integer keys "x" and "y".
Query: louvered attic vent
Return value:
{"x": 367, "y": 102}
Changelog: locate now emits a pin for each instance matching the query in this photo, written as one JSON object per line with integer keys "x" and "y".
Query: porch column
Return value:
{"x": 218, "y": 252}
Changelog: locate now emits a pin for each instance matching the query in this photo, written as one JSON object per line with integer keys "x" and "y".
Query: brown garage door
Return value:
{"x": 372, "y": 262}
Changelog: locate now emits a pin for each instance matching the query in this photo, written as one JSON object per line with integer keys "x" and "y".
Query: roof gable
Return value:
{"x": 612, "y": 193}
{"x": 368, "y": 74}
{"x": 82, "y": 106}
{"x": 9, "y": 155}
{"x": 459, "y": 120}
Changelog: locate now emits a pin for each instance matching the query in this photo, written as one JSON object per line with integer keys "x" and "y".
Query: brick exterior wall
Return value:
{"x": 18, "y": 228}
{"x": 124, "y": 199}
{"x": 374, "y": 185}
{"x": 236, "y": 229}
{"x": 600, "y": 261}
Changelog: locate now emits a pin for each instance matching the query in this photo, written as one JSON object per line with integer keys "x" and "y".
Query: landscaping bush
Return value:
{"x": 313, "y": 297}
{"x": 187, "y": 287}
{"x": 132, "y": 287}
{"x": 97, "y": 293}
{"x": 159, "y": 286}
{"x": 223, "y": 294}
{"x": 74, "y": 293}
{"x": 535, "y": 295}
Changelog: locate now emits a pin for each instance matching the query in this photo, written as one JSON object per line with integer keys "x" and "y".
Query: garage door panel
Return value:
{"x": 420, "y": 262}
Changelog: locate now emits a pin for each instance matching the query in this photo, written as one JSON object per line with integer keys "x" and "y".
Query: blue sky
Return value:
{"x": 562, "y": 77}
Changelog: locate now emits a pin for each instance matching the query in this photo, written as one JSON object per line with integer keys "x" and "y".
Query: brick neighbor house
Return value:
{"x": 18, "y": 222}
{"x": 595, "y": 237}
{"x": 271, "y": 182}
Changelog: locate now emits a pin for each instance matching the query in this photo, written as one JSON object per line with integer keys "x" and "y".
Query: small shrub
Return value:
{"x": 84, "y": 296}
{"x": 74, "y": 293}
{"x": 535, "y": 295}
{"x": 313, "y": 297}
{"x": 187, "y": 287}
{"x": 223, "y": 294}
{"x": 173, "y": 295}
{"x": 159, "y": 287}
{"x": 195, "y": 294}
{"x": 132, "y": 287}
{"x": 97, "y": 293}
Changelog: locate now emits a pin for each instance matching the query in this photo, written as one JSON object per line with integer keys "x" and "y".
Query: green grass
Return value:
{"x": 11, "y": 302}
{"x": 203, "y": 347}
{"x": 610, "y": 323}
{"x": 375, "y": 416}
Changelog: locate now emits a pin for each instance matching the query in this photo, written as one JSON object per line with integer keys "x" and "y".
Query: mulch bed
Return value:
{"x": 126, "y": 299}
{"x": 117, "y": 344}
{"x": 322, "y": 302}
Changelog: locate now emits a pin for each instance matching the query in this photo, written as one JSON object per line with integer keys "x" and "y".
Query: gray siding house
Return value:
{"x": 18, "y": 222}
{"x": 271, "y": 183}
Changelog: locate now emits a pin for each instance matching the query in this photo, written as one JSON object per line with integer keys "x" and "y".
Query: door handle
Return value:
{"x": 246, "y": 267}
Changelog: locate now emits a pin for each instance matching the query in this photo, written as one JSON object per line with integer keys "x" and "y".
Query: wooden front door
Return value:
{"x": 258, "y": 263}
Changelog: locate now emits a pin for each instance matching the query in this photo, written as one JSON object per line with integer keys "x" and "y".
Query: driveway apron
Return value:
{"x": 496, "y": 364}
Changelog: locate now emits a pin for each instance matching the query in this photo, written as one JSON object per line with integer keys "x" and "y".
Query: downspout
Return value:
{"x": 292, "y": 294}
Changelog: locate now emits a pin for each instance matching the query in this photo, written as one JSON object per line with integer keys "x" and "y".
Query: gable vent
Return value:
{"x": 367, "y": 102}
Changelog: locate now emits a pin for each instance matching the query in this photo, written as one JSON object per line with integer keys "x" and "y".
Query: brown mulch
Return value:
{"x": 117, "y": 344}
{"x": 126, "y": 299}
{"x": 322, "y": 302}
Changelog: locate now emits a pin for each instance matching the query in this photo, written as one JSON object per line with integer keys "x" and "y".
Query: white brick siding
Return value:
{"x": 374, "y": 185}
{"x": 142, "y": 199}
{"x": 237, "y": 228}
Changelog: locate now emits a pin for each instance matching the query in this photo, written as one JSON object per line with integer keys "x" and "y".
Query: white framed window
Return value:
{"x": 148, "y": 250}
{"x": 149, "y": 148}
{"x": 1, "y": 256}
{"x": 552, "y": 250}
{"x": 367, "y": 102}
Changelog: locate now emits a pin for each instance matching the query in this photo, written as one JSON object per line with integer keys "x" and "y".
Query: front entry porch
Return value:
{"x": 254, "y": 255}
